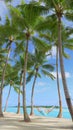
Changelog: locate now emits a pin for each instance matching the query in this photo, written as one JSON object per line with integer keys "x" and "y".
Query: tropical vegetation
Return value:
{"x": 38, "y": 25}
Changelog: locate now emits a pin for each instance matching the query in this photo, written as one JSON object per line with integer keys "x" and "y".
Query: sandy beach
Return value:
{"x": 13, "y": 121}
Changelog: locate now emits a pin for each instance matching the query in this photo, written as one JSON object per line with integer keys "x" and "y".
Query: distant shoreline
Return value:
{"x": 38, "y": 106}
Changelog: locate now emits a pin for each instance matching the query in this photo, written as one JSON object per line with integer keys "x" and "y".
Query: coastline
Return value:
{"x": 12, "y": 121}
{"x": 53, "y": 113}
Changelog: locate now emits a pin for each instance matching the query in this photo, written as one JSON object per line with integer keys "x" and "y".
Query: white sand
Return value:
{"x": 13, "y": 121}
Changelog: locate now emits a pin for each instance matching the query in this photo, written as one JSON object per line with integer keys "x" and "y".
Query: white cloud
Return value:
{"x": 40, "y": 84}
{"x": 67, "y": 74}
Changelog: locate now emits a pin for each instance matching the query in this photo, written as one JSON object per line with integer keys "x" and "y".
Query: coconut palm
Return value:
{"x": 58, "y": 86}
{"x": 10, "y": 79}
{"x": 40, "y": 66}
{"x": 2, "y": 81}
{"x": 6, "y": 33}
{"x": 19, "y": 67}
{"x": 50, "y": 34}
{"x": 16, "y": 89}
{"x": 60, "y": 8}
{"x": 18, "y": 109}
{"x": 2, "y": 59}
{"x": 26, "y": 16}
{"x": 7, "y": 97}
{"x": 59, "y": 13}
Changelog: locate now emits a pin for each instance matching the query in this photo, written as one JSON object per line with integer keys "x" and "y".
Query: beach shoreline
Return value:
{"x": 12, "y": 121}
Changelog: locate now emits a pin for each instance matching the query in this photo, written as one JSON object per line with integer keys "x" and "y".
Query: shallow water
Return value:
{"x": 53, "y": 113}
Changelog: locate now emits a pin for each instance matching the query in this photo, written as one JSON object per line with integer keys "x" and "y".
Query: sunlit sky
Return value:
{"x": 45, "y": 89}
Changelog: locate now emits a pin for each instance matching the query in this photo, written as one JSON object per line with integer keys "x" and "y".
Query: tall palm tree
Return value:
{"x": 26, "y": 16}
{"x": 2, "y": 81}
{"x": 6, "y": 33}
{"x": 7, "y": 98}
{"x": 50, "y": 34}
{"x": 10, "y": 79}
{"x": 2, "y": 59}
{"x": 19, "y": 67}
{"x": 59, "y": 13}
{"x": 59, "y": 9}
{"x": 40, "y": 66}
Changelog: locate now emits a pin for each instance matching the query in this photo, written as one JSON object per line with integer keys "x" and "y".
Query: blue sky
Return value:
{"x": 45, "y": 89}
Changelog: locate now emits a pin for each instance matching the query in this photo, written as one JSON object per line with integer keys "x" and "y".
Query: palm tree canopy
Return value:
{"x": 40, "y": 63}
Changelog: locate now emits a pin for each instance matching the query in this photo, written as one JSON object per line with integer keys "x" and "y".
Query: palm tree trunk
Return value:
{"x": 58, "y": 87}
{"x": 67, "y": 96}
{"x": 1, "y": 113}
{"x": 32, "y": 94}
{"x": 18, "y": 109}
{"x": 7, "y": 99}
{"x": 2, "y": 82}
{"x": 26, "y": 117}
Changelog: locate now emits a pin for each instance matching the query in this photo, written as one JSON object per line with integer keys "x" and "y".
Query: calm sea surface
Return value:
{"x": 53, "y": 113}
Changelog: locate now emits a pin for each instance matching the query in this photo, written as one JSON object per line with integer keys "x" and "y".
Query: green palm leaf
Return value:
{"x": 48, "y": 74}
{"x": 69, "y": 46}
{"x": 66, "y": 55}
{"x": 41, "y": 45}
{"x": 48, "y": 67}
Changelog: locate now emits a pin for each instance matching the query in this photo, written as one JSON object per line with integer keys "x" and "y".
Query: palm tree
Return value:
{"x": 26, "y": 16}
{"x": 6, "y": 35}
{"x": 7, "y": 98}
{"x": 2, "y": 58}
{"x": 10, "y": 79}
{"x": 58, "y": 86}
{"x": 59, "y": 9}
{"x": 2, "y": 81}
{"x": 19, "y": 67}
{"x": 59, "y": 13}
{"x": 40, "y": 66}
{"x": 50, "y": 34}
{"x": 18, "y": 109}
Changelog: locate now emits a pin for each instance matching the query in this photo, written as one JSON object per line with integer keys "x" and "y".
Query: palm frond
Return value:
{"x": 48, "y": 67}
{"x": 69, "y": 15}
{"x": 41, "y": 45}
{"x": 30, "y": 75}
{"x": 46, "y": 23}
{"x": 48, "y": 74}
{"x": 17, "y": 89}
{"x": 68, "y": 46}
{"x": 66, "y": 55}
{"x": 17, "y": 18}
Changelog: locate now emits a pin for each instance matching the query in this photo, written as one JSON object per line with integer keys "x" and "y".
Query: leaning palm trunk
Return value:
{"x": 2, "y": 82}
{"x": 32, "y": 94}
{"x": 18, "y": 109}
{"x": 58, "y": 87}
{"x": 26, "y": 117}
{"x": 7, "y": 99}
{"x": 67, "y": 96}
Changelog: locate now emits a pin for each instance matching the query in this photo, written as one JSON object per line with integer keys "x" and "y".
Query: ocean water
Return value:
{"x": 53, "y": 113}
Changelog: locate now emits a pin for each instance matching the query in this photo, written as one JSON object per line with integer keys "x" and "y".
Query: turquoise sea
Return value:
{"x": 53, "y": 113}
